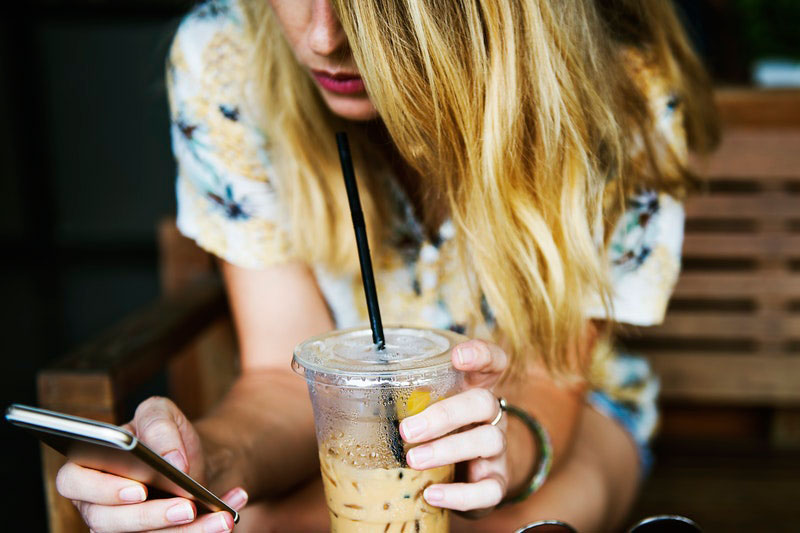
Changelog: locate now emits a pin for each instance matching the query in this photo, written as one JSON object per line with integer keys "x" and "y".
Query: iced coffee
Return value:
{"x": 360, "y": 395}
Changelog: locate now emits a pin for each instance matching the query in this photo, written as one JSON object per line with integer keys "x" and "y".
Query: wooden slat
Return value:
{"x": 204, "y": 370}
{"x": 767, "y": 205}
{"x": 691, "y": 422}
{"x": 753, "y": 153}
{"x": 763, "y": 108}
{"x": 773, "y": 328}
{"x": 133, "y": 350}
{"x": 62, "y": 516}
{"x": 762, "y": 244}
{"x": 715, "y": 325}
{"x": 732, "y": 285}
{"x": 88, "y": 394}
{"x": 181, "y": 261}
{"x": 740, "y": 379}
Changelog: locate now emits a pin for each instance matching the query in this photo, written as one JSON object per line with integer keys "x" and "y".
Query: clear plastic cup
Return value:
{"x": 359, "y": 397}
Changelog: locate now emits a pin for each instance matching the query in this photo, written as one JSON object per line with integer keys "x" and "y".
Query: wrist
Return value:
{"x": 538, "y": 470}
{"x": 222, "y": 470}
{"x": 523, "y": 451}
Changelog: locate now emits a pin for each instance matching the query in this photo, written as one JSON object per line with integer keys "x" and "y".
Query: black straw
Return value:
{"x": 368, "y": 278}
{"x": 367, "y": 275}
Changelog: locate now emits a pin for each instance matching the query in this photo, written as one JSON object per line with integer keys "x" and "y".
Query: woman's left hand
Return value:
{"x": 480, "y": 444}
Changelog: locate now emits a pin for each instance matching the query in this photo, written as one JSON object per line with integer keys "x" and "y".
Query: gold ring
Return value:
{"x": 502, "y": 403}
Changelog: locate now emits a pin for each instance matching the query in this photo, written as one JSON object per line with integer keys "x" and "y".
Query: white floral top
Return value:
{"x": 226, "y": 203}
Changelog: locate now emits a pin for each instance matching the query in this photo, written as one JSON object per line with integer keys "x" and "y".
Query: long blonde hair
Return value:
{"x": 517, "y": 114}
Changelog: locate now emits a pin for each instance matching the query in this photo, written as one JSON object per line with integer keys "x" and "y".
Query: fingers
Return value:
{"x": 492, "y": 467}
{"x": 216, "y": 522}
{"x": 156, "y": 424}
{"x": 153, "y": 514}
{"x": 212, "y": 523}
{"x": 469, "y": 407}
{"x": 480, "y": 356}
{"x": 101, "y": 500}
{"x": 484, "y": 447}
{"x": 482, "y": 441}
{"x": 236, "y": 498}
{"x": 487, "y": 492}
{"x": 78, "y": 483}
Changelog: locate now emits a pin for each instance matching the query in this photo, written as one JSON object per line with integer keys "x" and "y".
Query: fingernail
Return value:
{"x": 183, "y": 512}
{"x": 414, "y": 426}
{"x": 175, "y": 458}
{"x": 465, "y": 355}
{"x": 420, "y": 456}
{"x": 433, "y": 495}
{"x": 132, "y": 494}
{"x": 238, "y": 499}
{"x": 222, "y": 523}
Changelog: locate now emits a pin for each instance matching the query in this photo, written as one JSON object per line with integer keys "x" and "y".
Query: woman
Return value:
{"x": 521, "y": 164}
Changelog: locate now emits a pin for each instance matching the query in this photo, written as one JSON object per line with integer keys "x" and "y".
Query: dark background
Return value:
{"x": 86, "y": 172}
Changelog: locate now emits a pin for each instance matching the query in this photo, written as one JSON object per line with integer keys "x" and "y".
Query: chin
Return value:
{"x": 357, "y": 108}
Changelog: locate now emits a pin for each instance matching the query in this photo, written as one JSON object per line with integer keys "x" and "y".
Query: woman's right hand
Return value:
{"x": 113, "y": 504}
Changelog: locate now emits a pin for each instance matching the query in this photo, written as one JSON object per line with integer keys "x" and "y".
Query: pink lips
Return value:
{"x": 339, "y": 83}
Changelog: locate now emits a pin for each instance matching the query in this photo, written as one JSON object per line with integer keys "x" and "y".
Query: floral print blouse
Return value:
{"x": 226, "y": 203}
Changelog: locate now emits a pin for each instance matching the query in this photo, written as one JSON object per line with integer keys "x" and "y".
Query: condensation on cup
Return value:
{"x": 360, "y": 395}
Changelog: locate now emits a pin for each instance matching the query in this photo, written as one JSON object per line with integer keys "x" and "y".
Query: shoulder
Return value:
{"x": 213, "y": 102}
{"x": 210, "y": 46}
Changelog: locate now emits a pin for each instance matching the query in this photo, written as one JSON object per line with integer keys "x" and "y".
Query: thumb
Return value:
{"x": 236, "y": 498}
{"x": 157, "y": 424}
{"x": 483, "y": 362}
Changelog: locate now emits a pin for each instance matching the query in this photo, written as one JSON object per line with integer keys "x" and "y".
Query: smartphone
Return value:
{"x": 111, "y": 449}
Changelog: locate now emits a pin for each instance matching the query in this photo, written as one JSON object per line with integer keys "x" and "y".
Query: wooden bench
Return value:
{"x": 731, "y": 337}
{"x": 728, "y": 354}
{"x": 732, "y": 333}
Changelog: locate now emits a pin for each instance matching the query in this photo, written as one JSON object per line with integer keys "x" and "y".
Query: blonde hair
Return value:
{"x": 516, "y": 114}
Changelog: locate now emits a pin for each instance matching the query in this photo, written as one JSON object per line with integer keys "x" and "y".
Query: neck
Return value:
{"x": 429, "y": 207}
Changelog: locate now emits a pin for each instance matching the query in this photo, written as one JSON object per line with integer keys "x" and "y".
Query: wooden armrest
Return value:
{"x": 94, "y": 379}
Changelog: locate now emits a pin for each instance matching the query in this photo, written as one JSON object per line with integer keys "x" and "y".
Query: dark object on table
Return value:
{"x": 547, "y": 526}
{"x": 666, "y": 524}
{"x": 653, "y": 524}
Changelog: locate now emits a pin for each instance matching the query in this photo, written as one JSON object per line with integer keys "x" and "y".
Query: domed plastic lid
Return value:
{"x": 348, "y": 358}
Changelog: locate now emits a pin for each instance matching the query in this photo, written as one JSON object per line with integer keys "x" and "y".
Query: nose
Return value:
{"x": 326, "y": 35}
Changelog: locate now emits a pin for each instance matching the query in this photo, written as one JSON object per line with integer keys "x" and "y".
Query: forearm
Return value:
{"x": 261, "y": 436}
